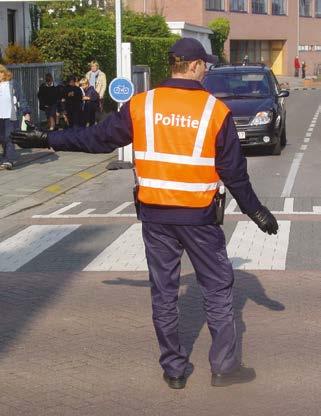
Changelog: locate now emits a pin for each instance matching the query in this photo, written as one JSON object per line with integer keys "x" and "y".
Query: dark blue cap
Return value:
{"x": 190, "y": 49}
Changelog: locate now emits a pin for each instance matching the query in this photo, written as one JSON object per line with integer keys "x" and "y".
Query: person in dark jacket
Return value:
{"x": 73, "y": 97}
{"x": 197, "y": 147}
{"x": 13, "y": 107}
{"x": 48, "y": 100}
{"x": 90, "y": 102}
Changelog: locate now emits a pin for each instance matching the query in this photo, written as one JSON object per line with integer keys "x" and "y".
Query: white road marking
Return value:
{"x": 59, "y": 211}
{"x": 29, "y": 243}
{"x": 292, "y": 175}
{"x": 288, "y": 205}
{"x": 307, "y": 140}
{"x": 230, "y": 210}
{"x": 303, "y": 147}
{"x": 119, "y": 208}
{"x": 87, "y": 213}
{"x": 251, "y": 249}
{"x": 126, "y": 253}
{"x": 231, "y": 207}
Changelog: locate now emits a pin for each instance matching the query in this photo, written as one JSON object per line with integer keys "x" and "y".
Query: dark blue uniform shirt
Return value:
{"x": 117, "y": 131}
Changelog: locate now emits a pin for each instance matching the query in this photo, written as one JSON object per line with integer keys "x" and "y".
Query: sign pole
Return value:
{"x": 118, "y": 38}
{"x": 118, "y": 30}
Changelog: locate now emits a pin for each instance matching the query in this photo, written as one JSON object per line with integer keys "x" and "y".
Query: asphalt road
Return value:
{"x": 76, "y": 335}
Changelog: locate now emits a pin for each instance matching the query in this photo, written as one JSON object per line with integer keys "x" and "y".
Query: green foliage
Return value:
{"x": 76, "y": 48}
{"x": 140, "y": 24}
{"x": 16, "y": 54}
{"x": 221, "y": 29}
{"x": 93, "y": 18}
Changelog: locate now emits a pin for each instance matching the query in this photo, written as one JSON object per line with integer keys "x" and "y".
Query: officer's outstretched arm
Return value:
{"x": 31, "y": 138}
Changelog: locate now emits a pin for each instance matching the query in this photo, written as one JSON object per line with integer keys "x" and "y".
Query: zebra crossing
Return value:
{"x": 114, "y": 246}
{"x": 248, "y": 248}
{"x": 117, "y": 246}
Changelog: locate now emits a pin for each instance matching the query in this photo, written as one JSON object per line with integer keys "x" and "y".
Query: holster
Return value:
{"x": 136, "y": 201}
{"x": 220, "y": 207}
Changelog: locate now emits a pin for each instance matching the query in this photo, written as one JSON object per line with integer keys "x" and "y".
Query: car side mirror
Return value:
{"x": 283, "y": 93}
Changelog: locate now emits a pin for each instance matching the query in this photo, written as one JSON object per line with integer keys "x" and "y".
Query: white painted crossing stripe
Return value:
{"x": 231, "y": 207}
{"x": 303, "y": 147}
{"x": 67, "y": 208}
{"x": 29, "y": 243}
{"x": 288, "y": 205}
{"x": 307, "y": 140}
{"x": 126, "y": 253}
{"x": 251, "y": 249}
{"x": 292, "y": 175}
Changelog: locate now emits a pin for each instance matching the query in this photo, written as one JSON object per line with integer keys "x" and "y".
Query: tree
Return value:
{"x": 221, "y": 29}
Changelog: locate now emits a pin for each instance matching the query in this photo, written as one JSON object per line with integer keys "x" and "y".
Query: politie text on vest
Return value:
{"x": 176, "y": 120}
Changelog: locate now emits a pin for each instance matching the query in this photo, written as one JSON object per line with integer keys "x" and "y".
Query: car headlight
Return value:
{"x": 263, "y": 117}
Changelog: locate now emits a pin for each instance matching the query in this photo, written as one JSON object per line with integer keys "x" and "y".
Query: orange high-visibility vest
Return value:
{"x": 174, "y": 138}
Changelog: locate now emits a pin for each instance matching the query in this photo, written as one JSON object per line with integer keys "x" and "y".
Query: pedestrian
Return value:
{"x": 245, "y": 60}
{"x": 185, "y": 142}
{"x": 303, "y": 69}
{"x": 73, "y": 101}
{"x": 61, "y": 105}
{"x": 12, "y": 107}
{"x": 97, "y": 79}
{"x": 297, "y": 66}
{"x": 48, "y": 100}
{"x": 90, "y": 102}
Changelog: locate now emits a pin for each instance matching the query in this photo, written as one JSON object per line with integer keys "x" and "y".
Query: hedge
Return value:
{"x": 76, "y": 48}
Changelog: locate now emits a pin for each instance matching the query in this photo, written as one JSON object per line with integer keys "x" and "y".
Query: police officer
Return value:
{"x": 185, "y": 142}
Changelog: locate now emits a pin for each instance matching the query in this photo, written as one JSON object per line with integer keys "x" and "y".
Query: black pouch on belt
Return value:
{"x": 220, "y": 198}
{"x": 136, "y": 201}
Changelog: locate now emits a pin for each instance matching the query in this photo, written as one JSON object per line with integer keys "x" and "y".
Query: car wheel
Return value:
{"x": 283, "y": 137}
{"x": 276, "y": 149}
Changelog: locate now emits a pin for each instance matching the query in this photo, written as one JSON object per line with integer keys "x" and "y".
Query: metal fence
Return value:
{"x": 30, "y": 77}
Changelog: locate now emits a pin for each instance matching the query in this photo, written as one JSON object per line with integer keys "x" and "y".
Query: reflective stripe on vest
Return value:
{"x": 174, "y": 146}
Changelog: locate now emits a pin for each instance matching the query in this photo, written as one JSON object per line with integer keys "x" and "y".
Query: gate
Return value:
{"x": 30, "y": 77}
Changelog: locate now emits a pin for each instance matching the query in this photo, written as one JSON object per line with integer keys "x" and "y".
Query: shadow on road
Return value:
{"x": 192, "y": 317}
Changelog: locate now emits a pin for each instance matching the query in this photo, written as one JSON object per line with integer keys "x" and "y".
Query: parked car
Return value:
{"x": 256, "y": 100}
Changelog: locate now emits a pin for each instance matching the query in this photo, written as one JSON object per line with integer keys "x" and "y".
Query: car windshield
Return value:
{"x": 237, "y": 84}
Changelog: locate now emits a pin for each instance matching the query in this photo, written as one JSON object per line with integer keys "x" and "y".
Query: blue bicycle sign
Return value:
{"x": 121, "y": 89}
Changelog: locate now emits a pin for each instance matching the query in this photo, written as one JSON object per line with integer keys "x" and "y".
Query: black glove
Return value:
{"x": 265, "y": 220}
{"x": 30, "y": 138}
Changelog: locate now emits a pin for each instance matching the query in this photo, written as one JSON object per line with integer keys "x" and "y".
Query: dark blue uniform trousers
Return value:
{"x": 206, "y": 248}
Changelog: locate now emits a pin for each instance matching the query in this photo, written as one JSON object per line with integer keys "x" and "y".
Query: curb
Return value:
{"x": 304, "y": 88}
{"x": 56, "y": 189}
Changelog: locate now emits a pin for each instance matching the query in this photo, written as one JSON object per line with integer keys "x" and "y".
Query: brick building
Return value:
{"x": 271, "y": 30}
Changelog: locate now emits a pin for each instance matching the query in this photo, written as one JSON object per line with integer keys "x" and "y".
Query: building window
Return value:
{"x": 278, "y": 7}
{"x": 259, "y": 7}
{"x": 317, "y": 8}
{"x": 217, "y": 5}
{"x": 238, "y": 5}
{"x": 305, "y": 8}
{"x": 11, "y": 26}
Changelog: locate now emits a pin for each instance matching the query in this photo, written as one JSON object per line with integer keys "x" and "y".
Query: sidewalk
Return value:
{"x": 41, "y": 175}
{"x": 297, "y": 83}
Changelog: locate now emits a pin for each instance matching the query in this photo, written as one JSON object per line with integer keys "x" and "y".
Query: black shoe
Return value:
{"x": 6, "y": 166}
{"x": 175, "y": 382}
{"x": 240, "y": 375}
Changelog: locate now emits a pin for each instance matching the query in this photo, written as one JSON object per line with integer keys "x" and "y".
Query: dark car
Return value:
{"x": 256, "y": 100}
